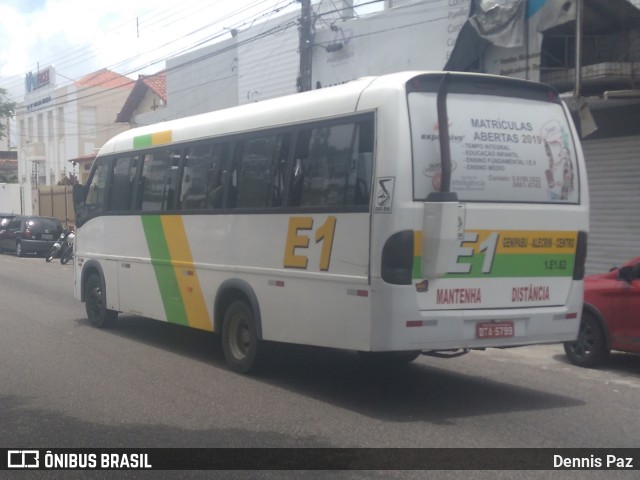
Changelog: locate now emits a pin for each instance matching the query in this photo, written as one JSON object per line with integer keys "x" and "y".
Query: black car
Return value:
{"x": 29, "y": 234}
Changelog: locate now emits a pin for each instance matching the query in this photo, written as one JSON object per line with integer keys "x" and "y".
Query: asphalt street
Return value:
{"x": 65, "y": 384}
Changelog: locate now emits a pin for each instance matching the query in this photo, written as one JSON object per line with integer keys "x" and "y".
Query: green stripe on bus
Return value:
{"x": 511, "y": 265}
{"x": 163, "y": 268}
{"x": 416, "y": 272}
{"x": 142, "y": 141}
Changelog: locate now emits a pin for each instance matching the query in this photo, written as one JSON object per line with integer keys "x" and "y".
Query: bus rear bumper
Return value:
{"x": 482, "y": 329}
{"x": 431, "y": 330}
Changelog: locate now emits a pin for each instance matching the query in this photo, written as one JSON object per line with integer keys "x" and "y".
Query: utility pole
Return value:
{"x": 306, "y": 44}
{"x": 579, "y": 34}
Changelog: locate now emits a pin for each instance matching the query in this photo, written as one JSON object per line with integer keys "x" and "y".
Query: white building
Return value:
{"x": 58, "y": 123}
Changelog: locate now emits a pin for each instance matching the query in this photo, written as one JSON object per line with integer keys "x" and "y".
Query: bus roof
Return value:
{"x": 307, "y": 106}
{"x": 327, "y": 102}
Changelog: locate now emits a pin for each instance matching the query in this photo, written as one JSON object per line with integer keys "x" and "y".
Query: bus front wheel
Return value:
{"x": 240, "y": 341}
{"x": 97, "y": 312}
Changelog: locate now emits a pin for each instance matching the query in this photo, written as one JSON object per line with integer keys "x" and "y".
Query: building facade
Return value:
{"x": 537, "y": 42}
{"x": 58, "y": 123}
{"x": 149, "y": 94}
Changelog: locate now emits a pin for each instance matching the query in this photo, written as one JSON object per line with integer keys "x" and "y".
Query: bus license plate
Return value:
{"x": 494, "y": 329}
{"x": 46, "y": 236}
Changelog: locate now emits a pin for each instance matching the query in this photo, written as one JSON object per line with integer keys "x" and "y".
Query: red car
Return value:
{"x": 610, "y": 317}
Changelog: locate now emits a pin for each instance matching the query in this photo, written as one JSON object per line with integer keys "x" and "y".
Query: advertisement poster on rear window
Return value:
{"x": 502, "y": 149}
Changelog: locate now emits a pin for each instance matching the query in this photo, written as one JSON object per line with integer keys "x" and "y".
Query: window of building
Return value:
{"x": 50, "y": 135}
{"x": 38, "y": 173}
{"x": 40, "y": 128}
{"x": 60, "y": 122}
{"x": 88, "y": 121}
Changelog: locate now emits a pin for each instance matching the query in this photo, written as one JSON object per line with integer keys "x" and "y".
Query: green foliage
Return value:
{"x": 70, "y": 179}
{"x": 7, "y": 109}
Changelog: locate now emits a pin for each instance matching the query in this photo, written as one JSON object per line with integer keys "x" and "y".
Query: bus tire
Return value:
{"x": 94, "y": 297}
{"x": 240, "y": 343}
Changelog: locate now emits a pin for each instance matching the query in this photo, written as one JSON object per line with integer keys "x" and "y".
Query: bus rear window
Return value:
{"x": 503, "y": 149}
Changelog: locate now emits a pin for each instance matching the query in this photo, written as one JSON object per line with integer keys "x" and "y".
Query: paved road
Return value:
{"x": 149, "y": 384}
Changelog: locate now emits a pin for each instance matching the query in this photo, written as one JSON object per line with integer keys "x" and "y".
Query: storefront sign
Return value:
{"x": 41, "y": 78}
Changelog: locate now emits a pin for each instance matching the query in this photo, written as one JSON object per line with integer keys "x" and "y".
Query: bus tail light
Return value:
{"x": 581, "y": 256}
{"x": 397, "y": 258}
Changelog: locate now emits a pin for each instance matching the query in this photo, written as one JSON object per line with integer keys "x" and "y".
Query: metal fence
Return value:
{"x": 56, "y": 201}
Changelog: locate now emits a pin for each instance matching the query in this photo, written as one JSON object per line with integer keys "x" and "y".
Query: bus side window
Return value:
{"x": 260, "y": 171}
{"x": 96, "y": 200}
{"x": 301, "y": 151}
{"x": 122, "y": 188}
{"x": 332, "y": 166}
{"x": 160, "y": 180}
{"x": 362, "y": 165}
{"x": 204, "y": 176}
{"x": 277, "y": 181}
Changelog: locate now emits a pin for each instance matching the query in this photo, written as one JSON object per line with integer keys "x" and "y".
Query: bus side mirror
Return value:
{"x": 443, "y": 222}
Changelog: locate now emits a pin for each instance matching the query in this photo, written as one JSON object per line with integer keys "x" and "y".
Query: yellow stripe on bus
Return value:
{"x": 186, "y": 274}
{"x": 160, "y": 138}
{"x": 529, "y": 242}
{"x": 417, "y": 243}
{"x": 516, "y": 242}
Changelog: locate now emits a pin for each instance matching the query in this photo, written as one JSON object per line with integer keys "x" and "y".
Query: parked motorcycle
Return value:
{"x": 67, "y": 252}
{"x": 54, "y": 251}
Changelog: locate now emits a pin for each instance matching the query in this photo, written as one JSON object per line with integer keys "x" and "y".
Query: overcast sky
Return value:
{"x": 127, "y": 36}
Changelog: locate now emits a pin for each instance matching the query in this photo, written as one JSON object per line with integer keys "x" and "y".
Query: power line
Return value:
{"x": 273, "y": 30}
{"x": 73, "y": 57}
{"x": 157, "y": 17}
{"x": 180, "y": 52}
{"x": 160, "y": 18}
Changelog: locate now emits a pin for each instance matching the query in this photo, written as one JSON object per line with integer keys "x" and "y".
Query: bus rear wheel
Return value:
{"x": 240, "y": 343}
{"x": 97, "y": 312}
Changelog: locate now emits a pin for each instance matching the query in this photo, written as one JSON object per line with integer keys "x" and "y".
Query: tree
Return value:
{"x": 69, "y": 179}
{"x": 6, "y": 111}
